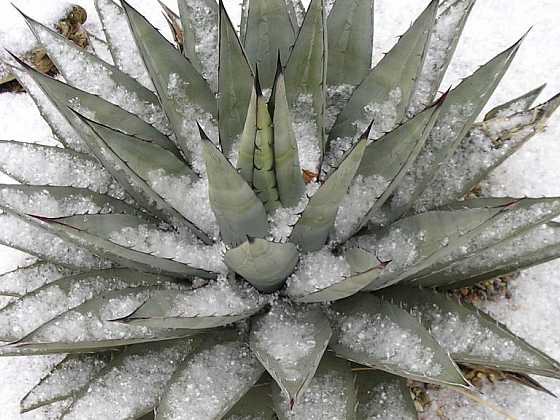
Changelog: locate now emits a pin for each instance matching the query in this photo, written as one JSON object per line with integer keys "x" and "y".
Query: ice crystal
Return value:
{"x": 306, "y": 132}
{"x": 25, "y": 280}
{"x": 316, "y": 271}
{"x": 181, "y": 247}
{"x": 211, "y": 382}
{"x": 286, "y": 336}
{"x": 326, "y": 397}
{"x": 439, "y": 48}
{"x": 126, "y": 53}
{"x": 385, "y": 402}
{"x": 98, "y": 79}
{"x": 132, "y": 386}
{"x": 386, "y": 342}
{"x": 363, "y": 193}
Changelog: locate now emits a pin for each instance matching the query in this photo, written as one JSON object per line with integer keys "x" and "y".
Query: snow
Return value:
{"x": 316, "y": 271}
{"x": 209, "y": 383}
{"x": 138, "y": 380}
{"x": 285, "y": 335}
{"x": 28, "y": 278}
{"x": 385, "y": 402}
{"x": 177, "y": 246}
{"x": 72, "y": 374}
{"x": 533, "y": 171}
{"x": 305, "y": 130}
{"x": 325, "y": 398}
{"x": 220, "y": 298}
{"x": 125, "y": 53}
{"x": 385, "y": 342}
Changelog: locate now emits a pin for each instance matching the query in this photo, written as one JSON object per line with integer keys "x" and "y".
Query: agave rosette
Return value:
{"x": 236, "y": 226}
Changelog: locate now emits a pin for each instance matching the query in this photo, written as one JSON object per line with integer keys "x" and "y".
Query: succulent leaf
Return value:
{"x": 193, "y": 309}
{"x": 63, "y": 294}
{"x": 27, "y": 278}
{"x": 107, "y": 236}
{"x": 98, "y": 331}
{"x": 29, "y": 236}
{"x": 383, "y": 167}
{"x": 383, "y": 395}
{"x": 290, "y": 341}
{"x": 390, "y": 83}
{"x": 238, "y": 210}
{"x": 316, "y": 222}
{"x": 214, "y": 386}
{"x": 184, "y": 94}
{"x": 418, "y": 357}
{"x": 458, "y": 113}
{"x": 55, "y": 202}
{"x": 443, "y": 40}
{"x": 268, "y": 32}
{"x": 521, "y": 103}
{"x": 415, "y": 240}
{"x": 64, "y": 96}
{"x": 109, "y": 82}
{"x": 306, "y": 74}
{"x": 200, "y": 21}
{"x": 235, "y": 79}
{"x": 472, "y": 336}
{"x": 120, "y": 41}
{"x": 109, "y": 391}
{"x": 538, "y": 245}
{"x": 330, "y": 394}
{"x": 350, "y": 33}
{"x": 257, "y": 402}
{"x": 264, "y": 264}
{"x": 65, "y": 379}
{"x": 496, "y": 139}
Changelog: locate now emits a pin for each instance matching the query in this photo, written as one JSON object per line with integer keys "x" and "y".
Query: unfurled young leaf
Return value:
{"x": 284, "y": 327}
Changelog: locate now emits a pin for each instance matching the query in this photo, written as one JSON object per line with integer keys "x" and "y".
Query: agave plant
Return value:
{"x": 260, "y": 224}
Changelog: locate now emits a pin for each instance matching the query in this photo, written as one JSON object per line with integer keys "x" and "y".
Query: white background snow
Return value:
{"x": 534, "y": 310}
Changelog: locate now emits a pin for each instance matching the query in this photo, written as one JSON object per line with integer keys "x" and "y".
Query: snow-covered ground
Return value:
{"x": 534, "y": 309}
